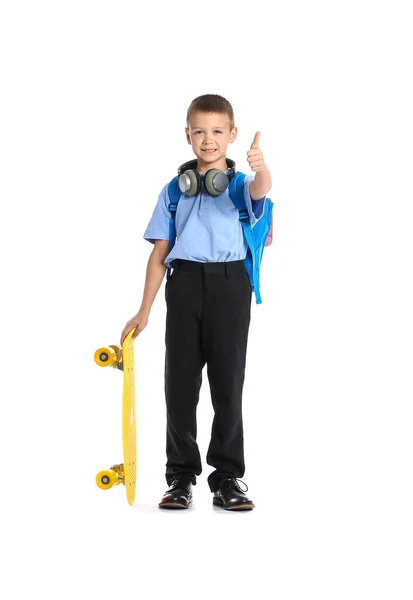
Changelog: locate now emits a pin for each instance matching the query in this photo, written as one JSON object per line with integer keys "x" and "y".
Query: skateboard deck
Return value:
{"x": 125, "y": 473}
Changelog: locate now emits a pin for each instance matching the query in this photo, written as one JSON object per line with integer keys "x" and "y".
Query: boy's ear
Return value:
{"x": 233, "y": 135}
{"x": 188, "y": 139}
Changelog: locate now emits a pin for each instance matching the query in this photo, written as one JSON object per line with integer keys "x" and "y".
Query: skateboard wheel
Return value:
{"x": 104, "y": 357}
{"x": 106, "y": 479}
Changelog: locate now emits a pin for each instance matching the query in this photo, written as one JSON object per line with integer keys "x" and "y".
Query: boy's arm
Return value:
{"x": 155, "y": 272}
{"x": 262, "y": 182}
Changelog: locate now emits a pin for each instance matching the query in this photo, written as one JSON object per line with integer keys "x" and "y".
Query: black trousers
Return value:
{"x": 207, "y": 322}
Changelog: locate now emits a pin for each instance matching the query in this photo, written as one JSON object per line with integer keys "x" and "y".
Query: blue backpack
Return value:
{"x": 257, "y": 237}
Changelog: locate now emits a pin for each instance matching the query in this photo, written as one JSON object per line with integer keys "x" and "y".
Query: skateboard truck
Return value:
{"x": 111, "y": 477}
{"x": 112, "y": 356}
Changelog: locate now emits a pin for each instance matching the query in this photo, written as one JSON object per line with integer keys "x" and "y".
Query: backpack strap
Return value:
{"x": 236, "y": 193}
{"x": 174, "y": 194}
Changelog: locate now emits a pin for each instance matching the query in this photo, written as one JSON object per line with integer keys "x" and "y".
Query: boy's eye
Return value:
{"x": 200, "y": 131}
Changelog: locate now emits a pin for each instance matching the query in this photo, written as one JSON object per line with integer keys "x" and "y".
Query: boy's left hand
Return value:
{"x": 254, "y": 155}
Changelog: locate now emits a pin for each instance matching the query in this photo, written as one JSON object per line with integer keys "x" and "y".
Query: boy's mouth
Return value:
{"x": 208, "y": 151}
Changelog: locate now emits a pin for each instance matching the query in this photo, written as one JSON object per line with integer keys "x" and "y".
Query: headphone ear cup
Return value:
{"x": 190, "y": 182}
{"x": 216, "y": 181}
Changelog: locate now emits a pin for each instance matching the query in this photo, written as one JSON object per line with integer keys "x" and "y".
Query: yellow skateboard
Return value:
{"x": 124, "y": 473}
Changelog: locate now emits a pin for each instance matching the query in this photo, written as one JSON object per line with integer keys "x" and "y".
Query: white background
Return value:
{"x": 93, "y": 106}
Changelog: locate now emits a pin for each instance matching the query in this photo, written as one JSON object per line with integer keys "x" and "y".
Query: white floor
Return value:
{"x": 315, "y": 533}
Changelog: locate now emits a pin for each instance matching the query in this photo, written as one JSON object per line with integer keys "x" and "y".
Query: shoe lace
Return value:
{"x": 178, "y": 481}
{"x": 233, "y": 483}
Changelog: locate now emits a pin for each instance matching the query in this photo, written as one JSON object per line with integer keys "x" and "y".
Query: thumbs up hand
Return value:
{"x": 261, "y": 184}
{"x": 254, "y": 154}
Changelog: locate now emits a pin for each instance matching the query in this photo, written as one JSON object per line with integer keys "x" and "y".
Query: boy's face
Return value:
{"x": 209, "y": 135}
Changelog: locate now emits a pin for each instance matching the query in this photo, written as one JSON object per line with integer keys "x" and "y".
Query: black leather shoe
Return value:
{"x": 179, "y": 494}
{"x": 231, "y": 497}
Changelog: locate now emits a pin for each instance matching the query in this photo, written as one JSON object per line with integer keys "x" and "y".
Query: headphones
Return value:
{"x": 216, "y": 181}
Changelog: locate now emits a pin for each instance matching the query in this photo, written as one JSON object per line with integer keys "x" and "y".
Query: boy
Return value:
{"x": 208, "y": 299}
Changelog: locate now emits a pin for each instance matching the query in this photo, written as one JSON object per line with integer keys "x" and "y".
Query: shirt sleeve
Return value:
{"x": 158, "y": 227}
{"x": 255, "y": 207}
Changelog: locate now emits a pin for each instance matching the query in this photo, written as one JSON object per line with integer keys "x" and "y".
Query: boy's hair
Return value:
{"x": 211, "y": 103}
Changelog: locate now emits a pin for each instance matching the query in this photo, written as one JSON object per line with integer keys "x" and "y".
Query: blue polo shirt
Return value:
{"x": 208, "y": 228}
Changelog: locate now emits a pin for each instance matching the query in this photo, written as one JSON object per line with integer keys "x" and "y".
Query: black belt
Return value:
{"x": 223, "y": 268}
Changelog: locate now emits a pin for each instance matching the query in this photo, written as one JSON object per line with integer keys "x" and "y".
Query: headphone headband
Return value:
{"x": 192, "y": 164}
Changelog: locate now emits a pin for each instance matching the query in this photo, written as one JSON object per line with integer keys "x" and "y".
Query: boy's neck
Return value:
{"x": 203, "y": 167}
